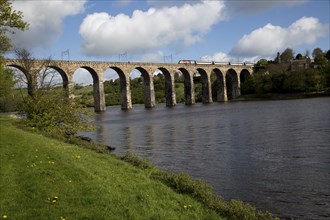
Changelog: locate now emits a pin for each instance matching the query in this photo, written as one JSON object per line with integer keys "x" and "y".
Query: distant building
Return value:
{"x": 301, "y": 64}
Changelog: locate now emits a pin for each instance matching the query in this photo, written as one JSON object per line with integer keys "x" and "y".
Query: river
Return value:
{"x": 274, "y": 155}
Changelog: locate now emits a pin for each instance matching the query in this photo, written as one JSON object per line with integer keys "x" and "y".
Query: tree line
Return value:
{"x": 289, "y": 73}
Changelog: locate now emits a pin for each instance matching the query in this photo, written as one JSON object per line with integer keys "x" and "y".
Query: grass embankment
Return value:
{"x": 43, "y": 178}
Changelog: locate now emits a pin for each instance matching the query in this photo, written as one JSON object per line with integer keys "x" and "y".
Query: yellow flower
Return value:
{"x": 5, "y": 216}
{"x": 78, "y": 157}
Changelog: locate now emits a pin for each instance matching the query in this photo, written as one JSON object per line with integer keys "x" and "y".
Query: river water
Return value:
{"x": 274, "y": 155}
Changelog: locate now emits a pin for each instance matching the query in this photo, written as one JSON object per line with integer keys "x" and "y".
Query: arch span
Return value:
{"x": 206, "y": 86}
{"x": 189, "y": 92}
{"x": 169, "y": 87}
{"x": 125, "y": 88}
{"x": 233, "y": 84}
{"x": 98, "y": 90}
{"x": 244, "y": 75}
{"x": 149, "y": 91}
{"x": 219, "y": 86}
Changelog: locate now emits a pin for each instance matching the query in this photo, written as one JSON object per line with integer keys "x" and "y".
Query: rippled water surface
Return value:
{"x": 272, "y": 154}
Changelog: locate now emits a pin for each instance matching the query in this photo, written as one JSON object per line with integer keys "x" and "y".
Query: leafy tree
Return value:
{"x": 9, "y": 21}
{"x": 7, "y": 101}
{"x": 49, "y": 108}
{"x": 287, "y": 55}
{"x": 327, "y": 55}
{"x": 317, "y": 52}
{"x": 299, "y": 56}
{"x": 321, "y": 61}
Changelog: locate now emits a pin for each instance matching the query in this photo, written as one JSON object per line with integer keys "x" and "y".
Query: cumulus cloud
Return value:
{"x": 45, "y": 19}
{"x": 270, "y": 39}
{"x": 104, "y": 34}
{"x": 224, "y": 57}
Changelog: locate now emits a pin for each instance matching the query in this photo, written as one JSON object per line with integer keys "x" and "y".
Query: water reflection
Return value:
{"x": 274, "y": 155}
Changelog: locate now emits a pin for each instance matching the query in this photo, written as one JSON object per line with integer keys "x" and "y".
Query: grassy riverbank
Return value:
{"x": 43, "y": 178}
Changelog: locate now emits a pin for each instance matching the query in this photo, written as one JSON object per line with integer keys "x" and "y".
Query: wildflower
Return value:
{"x": 4, "y": 216}
{"x": 54, "y": 199}
{"x": 77, "y": 157}
{"x": 62, "y": 218}
{"x": 185, "y": 206}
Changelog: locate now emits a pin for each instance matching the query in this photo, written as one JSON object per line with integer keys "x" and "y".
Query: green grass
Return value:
{"x": 43, "y": 178}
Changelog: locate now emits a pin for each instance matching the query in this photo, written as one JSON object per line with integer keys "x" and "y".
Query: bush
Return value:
{"x": 52, "y": 112}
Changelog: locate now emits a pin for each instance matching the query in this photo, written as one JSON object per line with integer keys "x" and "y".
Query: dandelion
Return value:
{"x": 52, "y": 200}
{"x": 55, "y": 199}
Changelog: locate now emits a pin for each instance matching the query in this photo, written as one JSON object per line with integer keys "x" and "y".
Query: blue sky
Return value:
{"x": 151, "y": 30}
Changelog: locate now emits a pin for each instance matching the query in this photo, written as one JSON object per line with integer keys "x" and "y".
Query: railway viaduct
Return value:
{"x": 66, "y": 69}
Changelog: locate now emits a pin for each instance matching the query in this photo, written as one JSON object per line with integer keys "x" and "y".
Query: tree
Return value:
{"x": 9, "y": 21}
{"x": 49, "y": 108}
{"x": 299, "y": 56}
{"x": 327, "y": 55}
{"x": 317, "y": 52}
{"x": 287, "y": 55}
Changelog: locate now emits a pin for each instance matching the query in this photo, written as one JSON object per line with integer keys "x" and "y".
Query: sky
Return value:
{"x": 168, "y": 31}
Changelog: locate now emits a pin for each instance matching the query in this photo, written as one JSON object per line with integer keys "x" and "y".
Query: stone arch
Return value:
{"x": 220, "y": 86}
{"x": 244, "y": 75}
{"x": 31, "y": 83}
{"x": 65, "y": 79}
{"x": 125, "y": 88}
{"x": 232, "y": 84}
{"x": 98, "y": 90}
{"x": 189, "y": 92}
{"x": 206, "y": 86}
{"x": 169, "y": 87}
{"x": 149, "y": 91}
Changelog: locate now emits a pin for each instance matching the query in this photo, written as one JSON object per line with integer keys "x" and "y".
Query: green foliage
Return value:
{"x": 52, "y": 112}
{"x": 287, "y": 55}
{"x": 317, "y": 52}
{"x": 9, "y": 20}
{"x": 7, "y": 100}
{"x": 279, "y": 79}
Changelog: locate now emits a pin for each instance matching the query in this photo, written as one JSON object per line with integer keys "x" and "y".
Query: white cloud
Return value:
{"x": 224, "y": 57}
{"x": 82, "y": 77}
{"x": 45, "y": 21}
{"x": 153, "y": 57}
{"x": 270, "y": 39}
{"x": 218, "y": 57}
{"x": 182, "y": 26}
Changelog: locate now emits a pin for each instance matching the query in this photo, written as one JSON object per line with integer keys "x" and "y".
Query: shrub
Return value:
{"x": 52, "y": 112}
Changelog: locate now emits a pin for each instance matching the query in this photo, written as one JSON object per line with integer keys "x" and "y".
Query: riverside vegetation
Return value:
{"x": 45, "y": 178}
